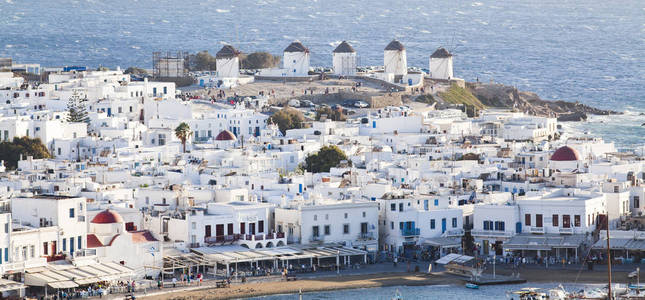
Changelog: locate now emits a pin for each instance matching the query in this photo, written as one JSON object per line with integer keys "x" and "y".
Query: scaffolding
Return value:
{"x": 169, "y": 64}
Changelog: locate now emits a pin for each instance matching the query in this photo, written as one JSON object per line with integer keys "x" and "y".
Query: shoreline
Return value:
{"x": 362, "y": 281}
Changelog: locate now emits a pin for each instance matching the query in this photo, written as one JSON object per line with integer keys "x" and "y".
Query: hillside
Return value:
{"x": 502, "y": 96}
{"x": 458, "y": 95}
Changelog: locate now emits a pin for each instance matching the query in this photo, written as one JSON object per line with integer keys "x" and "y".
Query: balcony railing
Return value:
{"x": 491, "y": 233}
{"x": 566, "y": 230}
{"x": 366, "y": 236}
{"x": 453, "y": 232}
{"x": 410, "y": 231}
{"x": 535, "y": 229}
{"x": 244, "y": 237}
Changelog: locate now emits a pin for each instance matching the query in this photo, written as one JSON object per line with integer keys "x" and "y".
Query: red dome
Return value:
{"x": 225, "y": 135}
{"x": 107, "y": 217}
{"x": 565, "y": 153}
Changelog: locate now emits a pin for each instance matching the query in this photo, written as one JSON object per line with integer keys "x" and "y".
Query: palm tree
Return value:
{"x": 183, "y": 132}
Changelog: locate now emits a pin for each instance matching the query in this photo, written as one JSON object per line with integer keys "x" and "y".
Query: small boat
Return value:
{"x": 472, "y": 286}
{"x": 527, "y": 294}
{"x": 397, "y": 295}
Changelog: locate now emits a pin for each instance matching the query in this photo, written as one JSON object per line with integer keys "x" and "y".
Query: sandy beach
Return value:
{"x": 236, "y": 291}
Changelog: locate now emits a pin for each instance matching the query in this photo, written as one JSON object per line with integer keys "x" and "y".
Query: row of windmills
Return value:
{"x": 296, "y": 62}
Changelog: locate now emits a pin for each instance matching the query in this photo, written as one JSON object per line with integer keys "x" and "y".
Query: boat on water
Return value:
{"x": 538, "y": 294}
{"x": 472, "y": 286}
{"x": 397, "y": 295}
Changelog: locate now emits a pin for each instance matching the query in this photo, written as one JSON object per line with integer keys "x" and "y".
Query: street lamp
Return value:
{"x": 338, "y": 262}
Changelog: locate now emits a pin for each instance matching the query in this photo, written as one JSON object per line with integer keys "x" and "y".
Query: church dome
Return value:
{"x": 107, "y": 217}
{"x": 565, "y": 153}
{"x": 225, "y": 135}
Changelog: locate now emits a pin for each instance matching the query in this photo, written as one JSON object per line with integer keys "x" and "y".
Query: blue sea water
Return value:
{"x": 442, "y": 292}
{"x": 577, "y": 50}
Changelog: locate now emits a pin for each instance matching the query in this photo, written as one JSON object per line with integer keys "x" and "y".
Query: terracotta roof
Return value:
{"x": 227, "y": 52}
{"x": 441, "y": 53}
{"x": 225, "y": 135}
{"x": 344, "y": 47}
{"x": 296, "y": 47}
{"x": 107, "y": 217}
{"x": 93, "y": 241}
{"x": 565, "y": 153}
{"x": 395, "y": 45}
{"x": 143, "y": 236}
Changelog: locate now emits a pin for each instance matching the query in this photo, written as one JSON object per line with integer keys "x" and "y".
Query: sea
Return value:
{"x": 576, "y": 50}
{"x": 430, "y": 292}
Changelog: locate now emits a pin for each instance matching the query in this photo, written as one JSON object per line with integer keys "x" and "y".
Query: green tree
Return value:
{"x": 323, "y": 160}
{"x": 135, "y": 70}
{"x": 332, "y": 114}
{"x": 10, "y": 151}
{"x": 76, "y": 111}
{"x": 183, "y": 132}
{"x": 287, "y": 118}
{"x": 259, "y": 60}
{"x": 202, "y": 61}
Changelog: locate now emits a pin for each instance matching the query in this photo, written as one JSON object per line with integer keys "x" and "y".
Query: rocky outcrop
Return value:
{"x": 498, "y": 95}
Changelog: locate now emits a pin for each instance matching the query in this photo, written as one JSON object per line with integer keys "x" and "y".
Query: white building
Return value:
{"x": 228, "y": 62}
{"x": 394, "y": 59}
{"x": 441, "y": 64}
{"x": 352, "y": 223}
{"x": 296, "y": 60}
{"x": 344, "y": 60}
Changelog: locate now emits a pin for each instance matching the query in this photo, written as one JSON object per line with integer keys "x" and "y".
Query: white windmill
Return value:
{"x": 296, "y": 59}
{"x": 441, "y": 64}
{"x": 394, "y": 59}
{"x": 344, "y": 59}
{"x": 228, "y": 62}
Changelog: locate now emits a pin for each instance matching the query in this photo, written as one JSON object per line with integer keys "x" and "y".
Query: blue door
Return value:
{"x": 425, "y": 204}
{"x": 300, "y": 188}
{"x": 518, "y": 227}
{"x": 201, "y": 82}
{"x": 109, "y": 112}
{"x": 443, "y": 225}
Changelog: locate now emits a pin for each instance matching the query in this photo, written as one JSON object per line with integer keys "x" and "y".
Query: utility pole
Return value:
{"x": 609, "y": 294}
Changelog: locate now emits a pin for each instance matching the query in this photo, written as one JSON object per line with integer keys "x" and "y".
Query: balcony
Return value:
{"x": 222, "y": 238}
{"x": 491, "y": 233}
{"x": 410, "y": 232}
{"x": 366, "y": 236}
{"x": 537, "y": 230}
{"x": 566, "y": 230}
{"x": 453, "y": 233}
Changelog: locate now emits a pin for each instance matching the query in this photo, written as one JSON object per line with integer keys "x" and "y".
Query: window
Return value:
{"x": 64, "y": 244}
{"x": 538, "y": 220}
{"x": 45, "y": 248}
{"x": 566, "y": 221}
{"x": 71, "y": 212}
{"x": 364, "y": 214}
{"x": 436, "y": 202}
{"x": 488, "y": 225}
{"x": 454, "y": 222}
{"x": 576, "y": 220}
{"x": 193, "y": 225}
{"x": 637, "y": 203}
{"x": 315, "y": 217}
{"x": 346, "y": 228}
{"x": 432, "y": 224}
{"x": 327, "y": 230}
{"x": 80, "y": 244}
{"x": 400, "y": 225}
{"x": 6, "y": 227}
{"x": 615, "y": 189}
{"x": 316, "y": 232}
{"x": 261, "y": 226}
{"x": 500, "y": 226}
{"x": 345, "y": 215}
{"x": 527, "y": 219}
{"x": 400, "y": 206}
{"x": 555, "y": 221}
{"x": 393, "y": 207}
{"x": 326, "y": 216}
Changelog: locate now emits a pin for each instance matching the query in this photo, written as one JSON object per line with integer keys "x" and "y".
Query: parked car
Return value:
{"x": 294, "y": 103}
{"x": 306, "y": 103}
{"x": 361, "y": 104}
{"x": 349, "y": 103}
